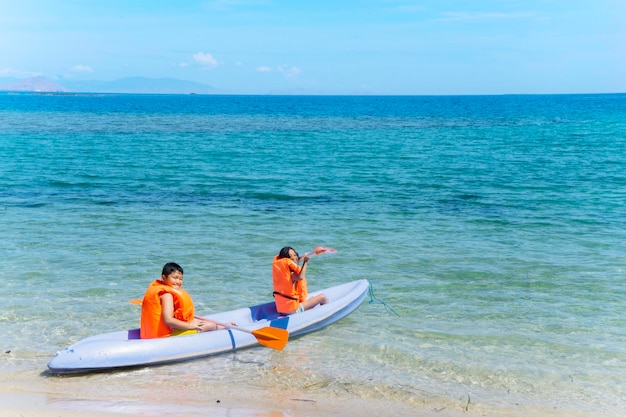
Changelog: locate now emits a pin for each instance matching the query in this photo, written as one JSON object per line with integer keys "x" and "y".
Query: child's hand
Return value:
{"x": 206, "y": 326}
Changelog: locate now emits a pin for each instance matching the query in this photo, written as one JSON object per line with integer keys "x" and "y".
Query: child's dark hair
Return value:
{"x": 284, "y": 252}
{"x": 170, "y": 267}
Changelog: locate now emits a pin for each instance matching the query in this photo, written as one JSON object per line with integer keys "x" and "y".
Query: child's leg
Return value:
{"x": 313, "y": 301}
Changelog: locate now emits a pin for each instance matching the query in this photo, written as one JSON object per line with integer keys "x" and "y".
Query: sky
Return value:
{"x": 381, "y": 47}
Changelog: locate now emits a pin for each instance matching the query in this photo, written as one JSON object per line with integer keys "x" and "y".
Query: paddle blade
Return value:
{"x": 137, "y": 301}
{"x": 323, "y": 249}
{"x": 272, "y": 337}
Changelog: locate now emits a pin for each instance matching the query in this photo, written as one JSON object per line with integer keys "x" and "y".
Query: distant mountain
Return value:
{"x": 131, "y": 85}
{"x": 141, "y": 85}
{"x": 34, "y": 84}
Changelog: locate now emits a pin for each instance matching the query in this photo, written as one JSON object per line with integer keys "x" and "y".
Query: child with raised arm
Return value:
{"x": 290, "y": 290}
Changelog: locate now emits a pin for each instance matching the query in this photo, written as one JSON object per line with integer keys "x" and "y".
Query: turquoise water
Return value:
{"x": 494, "y": 226}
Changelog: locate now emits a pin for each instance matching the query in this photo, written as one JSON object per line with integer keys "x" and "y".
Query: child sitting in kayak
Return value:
{"x": 167, "y": 309}
{"x": 290, "y": 290}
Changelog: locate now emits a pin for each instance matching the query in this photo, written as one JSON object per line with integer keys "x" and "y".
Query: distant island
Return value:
{"x": 34, "y": 84}
{"x": 129, "y": 85}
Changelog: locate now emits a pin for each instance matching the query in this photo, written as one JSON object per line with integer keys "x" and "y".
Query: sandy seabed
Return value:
{"x": 32, "y": 393}
{"x": 25, "y": 404}
{"x": 249, "y": 404}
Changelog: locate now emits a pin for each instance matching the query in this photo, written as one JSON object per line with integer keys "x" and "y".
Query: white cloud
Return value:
{"x": 81, "y": 68}
{"x": 289, "y": 71}
{"x": 15, "y": 73}
{"x": 205, "y": 59}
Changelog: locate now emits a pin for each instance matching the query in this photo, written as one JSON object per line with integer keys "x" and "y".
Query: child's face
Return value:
{"x": 293, "y": 255}
{"x": 174, "y": 280}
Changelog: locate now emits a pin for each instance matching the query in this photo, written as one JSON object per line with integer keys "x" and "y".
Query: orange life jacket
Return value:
{"x": 152, "y": 324}
{"x": 288, "y": 293}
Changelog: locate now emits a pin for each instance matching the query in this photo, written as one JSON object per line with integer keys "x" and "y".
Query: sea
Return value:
{"x": 492, "y": 230}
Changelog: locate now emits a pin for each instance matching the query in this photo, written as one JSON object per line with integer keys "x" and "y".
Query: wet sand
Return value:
{"x": 251, "y": 404}
{"x": 30, "y": 404}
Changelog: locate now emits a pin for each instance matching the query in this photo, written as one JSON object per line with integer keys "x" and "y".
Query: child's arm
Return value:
{"x": 167, "y": 305}
{"x": 300, "y": 271}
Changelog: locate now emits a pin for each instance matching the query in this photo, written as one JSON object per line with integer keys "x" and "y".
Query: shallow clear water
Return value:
{"x": 493, "y": 226}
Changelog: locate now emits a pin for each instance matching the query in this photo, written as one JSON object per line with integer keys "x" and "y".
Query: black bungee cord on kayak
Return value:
{"x": 373, "y": 299}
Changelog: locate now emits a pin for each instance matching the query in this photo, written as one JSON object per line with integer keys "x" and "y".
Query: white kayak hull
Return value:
{"x": 125, "y": 349}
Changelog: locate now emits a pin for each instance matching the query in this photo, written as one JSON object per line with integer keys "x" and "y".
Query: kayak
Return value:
{"x": 125, "y": 348}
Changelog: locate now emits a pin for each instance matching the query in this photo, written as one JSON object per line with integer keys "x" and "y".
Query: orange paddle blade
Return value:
{"x": 272, "y": 337}
{"x": 137, "y": 301}
{"x": 323, "y": 249}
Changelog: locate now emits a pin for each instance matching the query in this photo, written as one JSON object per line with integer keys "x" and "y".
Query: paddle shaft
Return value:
{"x": 271, "y": 337}
{"x": 228, "y": 326}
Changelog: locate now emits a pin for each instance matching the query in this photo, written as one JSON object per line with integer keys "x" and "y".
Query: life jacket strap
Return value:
{"x": 275, "y": 293}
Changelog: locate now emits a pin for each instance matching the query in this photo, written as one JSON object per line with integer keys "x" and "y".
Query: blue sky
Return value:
{"x": 435, "y": 47}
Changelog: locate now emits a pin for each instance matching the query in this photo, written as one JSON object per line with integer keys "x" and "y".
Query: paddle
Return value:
{"x": 318, "y": 250}
{"x": 272, "y": 337}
